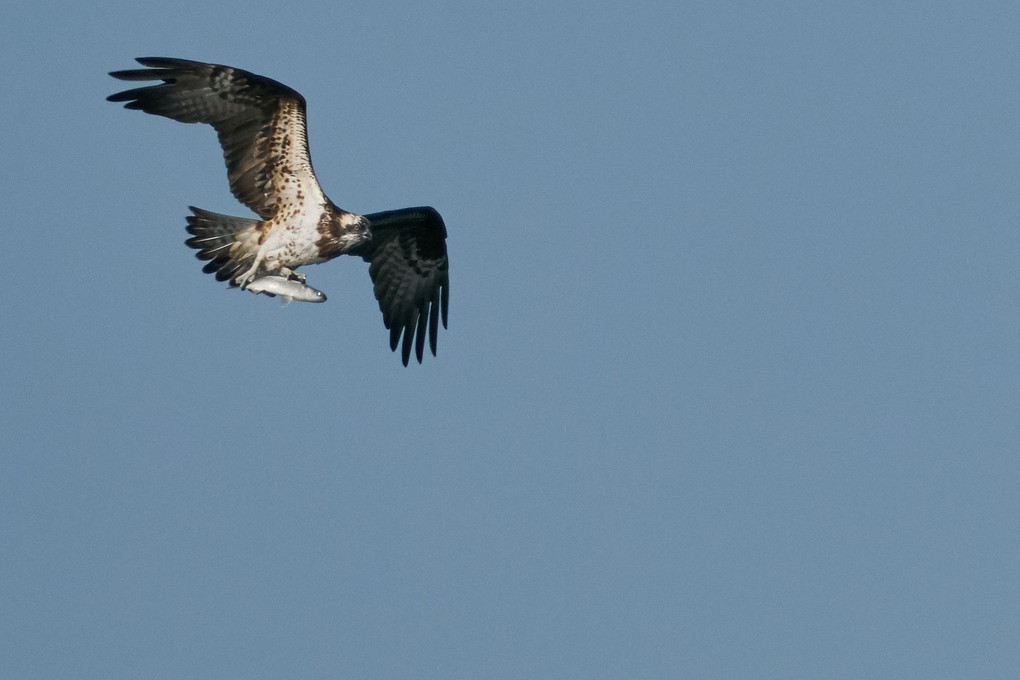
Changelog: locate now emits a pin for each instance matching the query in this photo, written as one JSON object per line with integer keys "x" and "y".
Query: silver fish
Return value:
{"x": 287, "y": 289}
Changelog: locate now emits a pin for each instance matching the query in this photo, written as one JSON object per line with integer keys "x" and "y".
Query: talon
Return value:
{"x": 292, "y": 275}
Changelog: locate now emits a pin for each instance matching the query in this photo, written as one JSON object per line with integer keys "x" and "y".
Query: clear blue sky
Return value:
{"x": 731, "y": 387}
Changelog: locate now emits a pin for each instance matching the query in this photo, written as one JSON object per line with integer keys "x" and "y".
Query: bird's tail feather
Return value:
{"x": 229, "y": 243}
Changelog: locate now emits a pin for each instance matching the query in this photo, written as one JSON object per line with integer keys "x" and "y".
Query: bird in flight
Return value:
{"x": 261, "y": 128}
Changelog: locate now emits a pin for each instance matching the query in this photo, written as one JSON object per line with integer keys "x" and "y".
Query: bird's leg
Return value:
{"x": 244, "y": 279}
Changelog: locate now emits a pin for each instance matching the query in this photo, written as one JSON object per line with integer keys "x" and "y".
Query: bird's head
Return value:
{"x": 351, "y": 231}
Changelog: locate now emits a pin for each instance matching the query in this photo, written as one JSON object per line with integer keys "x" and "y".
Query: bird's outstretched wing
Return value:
{"x": 261, "y": 125}
{"x": 410, "y": 274}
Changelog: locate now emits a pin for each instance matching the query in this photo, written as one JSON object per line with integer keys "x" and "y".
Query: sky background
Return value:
{"x": 731, "y": 387}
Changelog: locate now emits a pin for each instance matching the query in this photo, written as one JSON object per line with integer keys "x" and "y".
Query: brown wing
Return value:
{"x": 260, "y": 122}
{"x": 410, "y": 273}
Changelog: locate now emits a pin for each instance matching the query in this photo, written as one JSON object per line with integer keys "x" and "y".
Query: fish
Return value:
{"x": 287, "y": 289}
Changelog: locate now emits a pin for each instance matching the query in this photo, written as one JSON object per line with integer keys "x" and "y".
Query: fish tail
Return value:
{"x": 228, "y": 243}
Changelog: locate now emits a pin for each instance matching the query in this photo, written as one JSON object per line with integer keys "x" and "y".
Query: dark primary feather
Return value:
{"x": 244, "y": 108}
{"x": 410, "y": 274}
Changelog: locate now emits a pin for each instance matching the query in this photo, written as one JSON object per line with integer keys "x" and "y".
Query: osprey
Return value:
{"x": 261, "y": 127}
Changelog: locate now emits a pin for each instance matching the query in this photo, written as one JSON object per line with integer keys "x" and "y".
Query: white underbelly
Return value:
{"x": 292, "y": 246}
